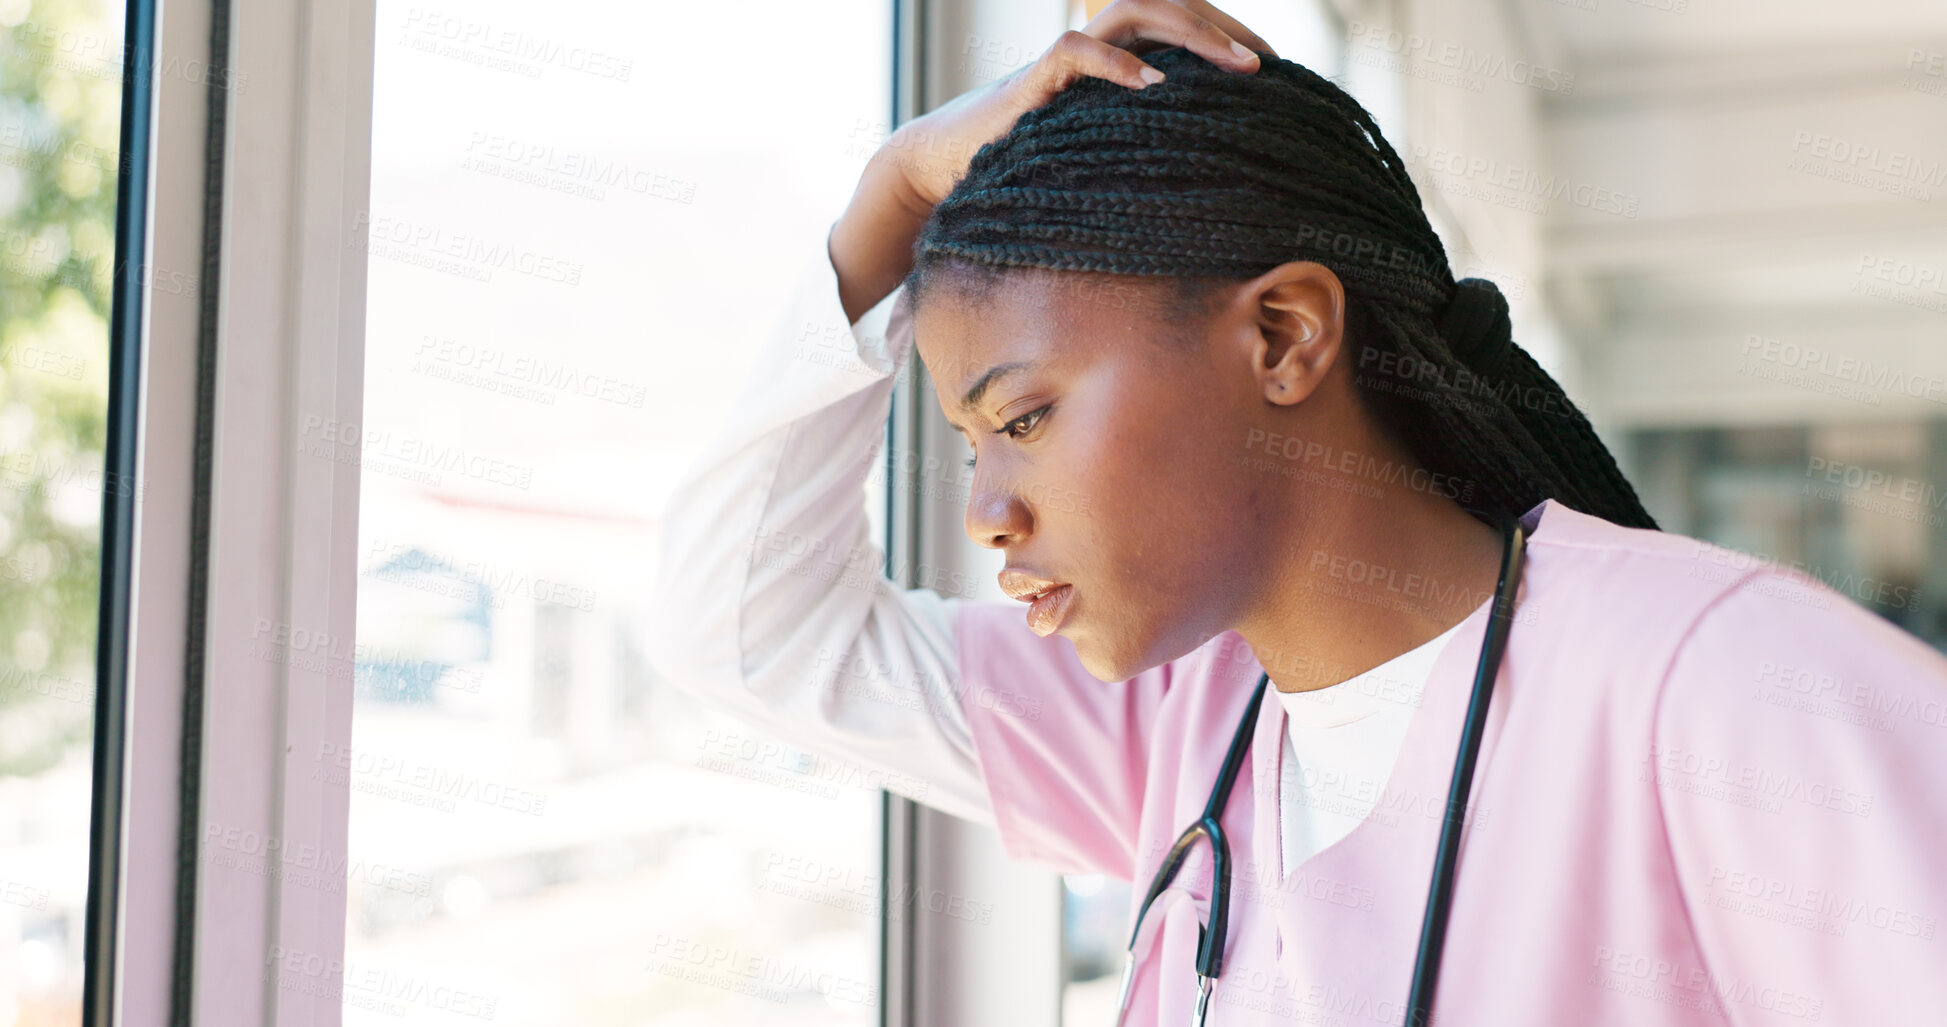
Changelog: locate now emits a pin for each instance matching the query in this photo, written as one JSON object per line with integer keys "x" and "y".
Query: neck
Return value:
{"x": 1366, "y": 579}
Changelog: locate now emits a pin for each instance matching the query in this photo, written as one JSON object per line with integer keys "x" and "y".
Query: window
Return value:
{"x": 576, "y": 226}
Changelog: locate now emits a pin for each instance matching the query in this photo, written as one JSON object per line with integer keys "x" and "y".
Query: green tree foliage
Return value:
{"x": 60, "y": 109}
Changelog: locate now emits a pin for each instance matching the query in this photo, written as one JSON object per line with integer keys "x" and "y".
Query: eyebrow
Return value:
{"x": 994, "y": 374}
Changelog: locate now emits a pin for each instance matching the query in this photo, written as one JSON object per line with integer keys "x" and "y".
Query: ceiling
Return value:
{"x": 1787, "y": 155}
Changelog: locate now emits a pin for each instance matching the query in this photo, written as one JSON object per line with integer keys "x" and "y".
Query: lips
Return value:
{"x": 1048, "y": 600}
{"x": 1046, "y": 613}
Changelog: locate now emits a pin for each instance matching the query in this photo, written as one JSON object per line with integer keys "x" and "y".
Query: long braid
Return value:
{"x": 1213, "y": 176}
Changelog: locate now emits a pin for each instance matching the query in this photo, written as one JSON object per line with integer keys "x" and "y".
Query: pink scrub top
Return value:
{"x": 1707, "y": 793}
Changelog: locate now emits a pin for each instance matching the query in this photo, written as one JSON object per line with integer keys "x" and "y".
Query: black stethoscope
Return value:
{"x": 1433, "y": 929}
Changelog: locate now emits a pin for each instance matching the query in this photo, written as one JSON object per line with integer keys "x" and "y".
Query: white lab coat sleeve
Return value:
{"x": 1801, "y": 758}
{"x": 770, "y": 600}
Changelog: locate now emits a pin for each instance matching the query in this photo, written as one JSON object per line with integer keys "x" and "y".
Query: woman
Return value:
{"x": 1231, "y": 416}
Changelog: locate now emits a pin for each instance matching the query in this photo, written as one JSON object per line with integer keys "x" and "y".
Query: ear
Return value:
{"x": 1291, "y": 320}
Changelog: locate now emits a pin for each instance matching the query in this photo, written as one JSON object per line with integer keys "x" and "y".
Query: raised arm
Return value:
{"x": 770, "y": 601}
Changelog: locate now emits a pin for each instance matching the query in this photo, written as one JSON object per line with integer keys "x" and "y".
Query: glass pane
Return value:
{"x": 581, "y": 225}
{"x": 60, "y": 119}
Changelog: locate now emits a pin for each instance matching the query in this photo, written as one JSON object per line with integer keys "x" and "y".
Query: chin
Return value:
{"x": 1137, "y": 655}
{"x": 1105, "y": 673}
{"x": 1111, "y": 667}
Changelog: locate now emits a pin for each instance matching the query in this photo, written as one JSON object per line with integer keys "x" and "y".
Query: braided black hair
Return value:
{"x": 1215, "y": 176}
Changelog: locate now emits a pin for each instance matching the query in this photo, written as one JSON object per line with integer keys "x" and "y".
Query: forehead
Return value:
{"x": 963, "y": 326}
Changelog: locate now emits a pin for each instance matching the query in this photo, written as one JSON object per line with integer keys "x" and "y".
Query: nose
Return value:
{"x": 997, "y": 517}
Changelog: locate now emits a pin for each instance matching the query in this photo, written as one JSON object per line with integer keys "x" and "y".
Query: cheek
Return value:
{"x": 1156, "y": 493}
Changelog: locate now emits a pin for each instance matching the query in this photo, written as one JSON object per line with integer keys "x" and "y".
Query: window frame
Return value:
{"x": 110, "y": 788}
{"x": 939, "y": 970}
{"x": 157, "y": 389}
{"x": 259, "y": 167}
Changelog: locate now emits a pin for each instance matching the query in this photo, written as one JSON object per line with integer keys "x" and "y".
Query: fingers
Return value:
{"x": 1077, "y": 53}
{"x": 1192, "y": 24}
{"x": 1107, "y": 47}
{"x": 1231, "y": 26}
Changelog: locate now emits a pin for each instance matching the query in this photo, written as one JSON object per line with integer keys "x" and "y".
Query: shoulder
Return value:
{"x": 1787, "y": 710}
{"x": 1627, "y": 598}
{"x": 1780, "y": 661}
{"x": 1700, "y": 617}
{"x": 1640, "y": 557}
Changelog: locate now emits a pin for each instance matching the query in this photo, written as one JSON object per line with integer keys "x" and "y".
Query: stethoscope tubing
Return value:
{"x": 1433, "y": 927}
{"x": 1210, "y": 946}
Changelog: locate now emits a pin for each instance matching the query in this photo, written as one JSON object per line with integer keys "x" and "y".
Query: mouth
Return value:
{"x": 1048, "y": 600}
{"x": 1046, "y": 610}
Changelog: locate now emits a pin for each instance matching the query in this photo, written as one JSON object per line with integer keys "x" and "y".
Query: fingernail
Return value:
{"x": 1150, "y": 75}
{"x": 1242, "y": 50}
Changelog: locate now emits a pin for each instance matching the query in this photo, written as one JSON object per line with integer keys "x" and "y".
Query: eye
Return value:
{"x": 1033, "y": 417}
{"x": 1029, "y": 420}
